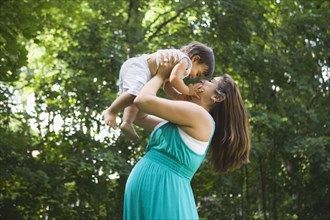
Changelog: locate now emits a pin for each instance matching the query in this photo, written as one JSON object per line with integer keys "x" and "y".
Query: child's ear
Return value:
{"x": 196, "y": 58}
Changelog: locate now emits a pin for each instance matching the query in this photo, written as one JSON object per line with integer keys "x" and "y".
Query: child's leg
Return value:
{"x": 129, "y": 116}
{"x": 121, "y": 102}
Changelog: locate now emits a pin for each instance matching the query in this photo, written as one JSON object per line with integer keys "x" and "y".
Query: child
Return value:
{"x": 194, "y": 60}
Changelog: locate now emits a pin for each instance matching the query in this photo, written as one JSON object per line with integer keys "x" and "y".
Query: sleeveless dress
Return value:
{"x": 159, "y": 187}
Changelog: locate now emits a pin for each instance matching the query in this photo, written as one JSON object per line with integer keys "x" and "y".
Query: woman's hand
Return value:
{"x": 168, "y": 57}
{"x": 167, "y": 61}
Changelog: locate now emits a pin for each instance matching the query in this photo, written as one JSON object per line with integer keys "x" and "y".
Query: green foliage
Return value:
{"x": 59, "y": 65}
{"x": 16, "y": 19}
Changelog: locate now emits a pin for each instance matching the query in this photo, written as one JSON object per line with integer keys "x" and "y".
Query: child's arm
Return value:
{"x": 176, "y": 80}
{"x": 176, "y": 77}
{"x": 176, "y": 95}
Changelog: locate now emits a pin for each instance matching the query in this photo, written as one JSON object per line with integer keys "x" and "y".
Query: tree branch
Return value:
{"x": 154, "y": 21}
{"x": 168, "y": 21}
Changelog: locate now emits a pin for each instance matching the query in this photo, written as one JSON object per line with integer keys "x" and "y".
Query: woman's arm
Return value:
{"x": 173, "y": 93}
{"x": 147, "y": 121}
{"x": 192, "y": 118}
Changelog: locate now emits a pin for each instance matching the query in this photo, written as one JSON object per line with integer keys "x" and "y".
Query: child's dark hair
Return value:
{"x": 204, "y": 52}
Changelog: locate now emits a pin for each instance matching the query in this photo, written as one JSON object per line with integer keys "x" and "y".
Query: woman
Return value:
{"x": 159, "y": 184}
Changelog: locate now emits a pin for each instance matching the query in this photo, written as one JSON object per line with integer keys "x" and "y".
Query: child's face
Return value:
{"x": 198, "y": 70}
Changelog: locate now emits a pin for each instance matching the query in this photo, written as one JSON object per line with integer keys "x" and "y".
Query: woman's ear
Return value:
{"x": 219, "y": 98}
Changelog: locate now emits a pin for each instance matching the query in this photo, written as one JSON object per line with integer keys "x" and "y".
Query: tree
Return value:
{"x": 58, "y": 160}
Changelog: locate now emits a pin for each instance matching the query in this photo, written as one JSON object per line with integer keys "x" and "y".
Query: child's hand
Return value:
{"x": 194, "y": 89}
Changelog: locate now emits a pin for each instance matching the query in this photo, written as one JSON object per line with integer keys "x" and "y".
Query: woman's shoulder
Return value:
{"x": 201, "y": 127}
{"x": 194, "y": 144}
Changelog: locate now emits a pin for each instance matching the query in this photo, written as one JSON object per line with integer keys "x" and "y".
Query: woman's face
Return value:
{"x": 209, "y": 87}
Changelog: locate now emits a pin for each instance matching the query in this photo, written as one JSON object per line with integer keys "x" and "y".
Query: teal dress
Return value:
{"x": 159, "y": 185}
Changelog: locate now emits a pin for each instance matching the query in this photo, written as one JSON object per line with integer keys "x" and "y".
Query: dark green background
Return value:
{"x": 67, "y": 55}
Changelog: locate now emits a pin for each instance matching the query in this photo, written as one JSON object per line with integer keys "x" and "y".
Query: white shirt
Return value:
{"x": 181, "y": 56}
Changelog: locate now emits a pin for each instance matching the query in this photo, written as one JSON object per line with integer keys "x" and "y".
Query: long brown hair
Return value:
{"x": 230, "y": 145}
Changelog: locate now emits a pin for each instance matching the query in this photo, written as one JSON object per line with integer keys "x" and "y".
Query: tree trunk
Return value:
{"x": 263, "y": 188}
{"x": 274, "y": 205}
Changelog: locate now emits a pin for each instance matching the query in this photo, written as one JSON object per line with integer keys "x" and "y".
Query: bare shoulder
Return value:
{"x": 200, "y": 123}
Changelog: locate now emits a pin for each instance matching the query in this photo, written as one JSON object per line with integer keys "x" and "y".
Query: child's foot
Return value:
{"x": 128, "y": 129}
